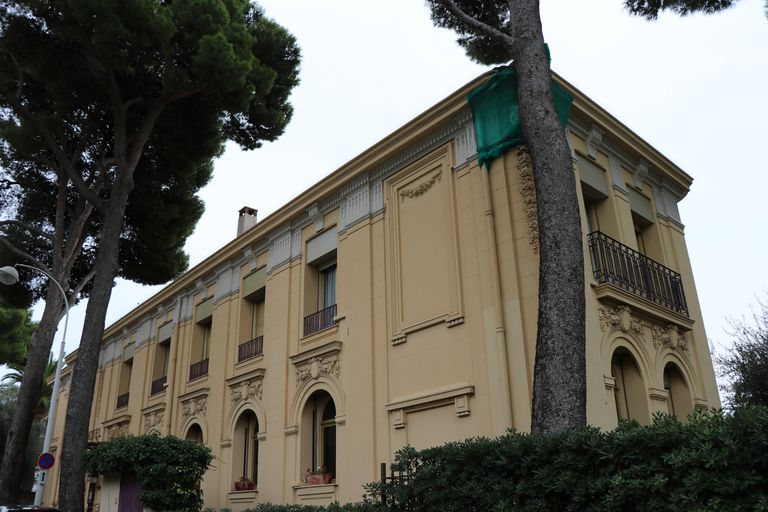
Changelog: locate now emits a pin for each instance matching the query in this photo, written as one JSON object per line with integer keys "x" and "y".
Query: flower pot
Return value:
{"x": 319, "y": 478}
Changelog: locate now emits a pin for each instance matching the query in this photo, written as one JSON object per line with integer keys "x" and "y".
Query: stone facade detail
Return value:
{"x": 620, "y": 316}
{"x": 322, "y": 366}
{"x": 422, "y": 188}
{"x": 153, "y": 419}
{"x": 528, "y": 191}
{"x": 594, "y": 140}
{"x": 193, "y": 406}
{"x": 669, "y": 336}
{"x": 246, "y": 390}
{"x": 115, "y": 431}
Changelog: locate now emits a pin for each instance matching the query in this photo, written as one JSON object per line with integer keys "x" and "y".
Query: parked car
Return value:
{"x": 23, "y": 508}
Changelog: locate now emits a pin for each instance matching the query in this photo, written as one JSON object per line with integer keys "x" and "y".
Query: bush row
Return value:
{"x": 715, "y": 462}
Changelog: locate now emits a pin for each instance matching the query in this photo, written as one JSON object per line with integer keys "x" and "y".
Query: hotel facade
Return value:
{"x": 395, "y": 303}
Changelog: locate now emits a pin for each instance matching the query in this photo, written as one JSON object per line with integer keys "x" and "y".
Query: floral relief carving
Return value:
{"x": 422, "y": 188}
{"x": 246, "y": 390}
{"x": 318, "y": 367}
{"x": 528, "y": 192}
{"x": 620, "y": 316}
{"x": 153, "y": 419}
{"x": 193, "y": 406}
{"x": 670, "y": 336}
{"x": 115, "y": 431}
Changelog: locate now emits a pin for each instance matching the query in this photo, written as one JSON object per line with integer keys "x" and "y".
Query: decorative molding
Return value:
{"x": 466, "y": 144}
{"x": 641, "y": 173}
{"x": 116, "y": 427}
{"x": 245, "y": 387}
{"x": 153, "y": 419}
{"x": 435, "y": 398}
{"x": 201, "y": 289}
{"x": 620, "y": 316}
{"x": 422, "y": 188}
{"x": 528, "y": 192}
{"x": 594, "y": 140}
{"x": 399, "y": 339}
{"x": 322, "y": 361}
{"x": 315, "y": 216}
{"x": 616, "y": 176}
{"x": 609, "y": 382}
{"x": 398, "y": 418}
{"x": 94, "y": 436}
{"x": 669, "y": 335}
{"x": 454, "y": 321}
{"x": 194, "y": 403}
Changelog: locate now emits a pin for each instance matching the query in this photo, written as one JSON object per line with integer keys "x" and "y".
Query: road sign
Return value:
{"x": 46, "y": 460}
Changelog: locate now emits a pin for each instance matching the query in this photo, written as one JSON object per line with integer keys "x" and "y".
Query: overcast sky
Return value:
{"x": 695, "y": 88}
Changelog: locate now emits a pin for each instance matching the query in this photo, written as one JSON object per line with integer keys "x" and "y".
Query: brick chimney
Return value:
{"x": 246, "y": 220}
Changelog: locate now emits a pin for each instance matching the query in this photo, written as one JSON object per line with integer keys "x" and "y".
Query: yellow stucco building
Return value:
{"x": 366, "y": 314}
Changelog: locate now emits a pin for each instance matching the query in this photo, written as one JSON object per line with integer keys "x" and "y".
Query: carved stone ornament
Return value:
{"x": 193, "y": 406}
{"x": 246, "y": 390}
{"x": 115, "y": 431}
{"x": 315, "y": 216}
{"x": 153, "y": 419}
{"x": 594, "y": 139}
{"x": 670, "y": 336}
{"x": 620, "y": 316}
{"x": 94, "y": 436}
{"x": 318, "y": 367}
{"x": 421, "y": 188}
{"x": 528, "y": 192}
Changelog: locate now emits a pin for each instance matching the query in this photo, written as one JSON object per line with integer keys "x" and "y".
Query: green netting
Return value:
{"x": 496, "y": 110}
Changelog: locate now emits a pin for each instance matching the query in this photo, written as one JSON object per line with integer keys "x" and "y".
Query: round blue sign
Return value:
{"x": 46, "y": 460}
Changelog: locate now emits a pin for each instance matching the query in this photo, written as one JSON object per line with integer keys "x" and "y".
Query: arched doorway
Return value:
{"x": 245, "y": 451}
{"x": 318, "y": 433}
{"x": 194, "y": 433}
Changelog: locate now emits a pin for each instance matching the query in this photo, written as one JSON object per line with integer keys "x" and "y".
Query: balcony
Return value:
{"x": 158, "y": 385}
{"x": 122, "y": 400}
{"x": 316, "y": 322}
{"x": 616, "y": 264}
{"x": 250, "y": 349}
{"x": 199, "y": 369}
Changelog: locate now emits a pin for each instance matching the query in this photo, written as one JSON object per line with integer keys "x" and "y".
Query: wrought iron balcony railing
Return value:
{"x": 250, "y": 349}
{"x": 619, "y": 265}
{"x": 158, "y": 385}
{"x": 199, "y": 369}
{"x": 323, "y": 319}
{"x": 122, "y": 400}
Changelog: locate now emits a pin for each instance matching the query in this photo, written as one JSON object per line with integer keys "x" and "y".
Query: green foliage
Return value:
{"x": 715, "y": 462}
{"x": 745, "y": 365}
{"x": 169, "y": 468}
{"x": 650, "y": 9}
{"x": 16, "y": 328}
{"x": 16, "y": 375}
{"x": 479, "y": 46}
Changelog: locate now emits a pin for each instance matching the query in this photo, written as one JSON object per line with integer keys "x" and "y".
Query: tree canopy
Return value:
{"x": 111, "y": 114}
{"x": 745, "y": 364}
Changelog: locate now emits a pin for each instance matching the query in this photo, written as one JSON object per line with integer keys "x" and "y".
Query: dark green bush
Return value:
{"x": 169, "y": 468}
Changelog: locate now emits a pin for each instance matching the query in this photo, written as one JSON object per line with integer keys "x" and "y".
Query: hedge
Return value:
{"x": 715, "y": 462}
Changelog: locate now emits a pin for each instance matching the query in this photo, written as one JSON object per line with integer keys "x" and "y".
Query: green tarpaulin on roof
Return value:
{"x": 496, "y": 110}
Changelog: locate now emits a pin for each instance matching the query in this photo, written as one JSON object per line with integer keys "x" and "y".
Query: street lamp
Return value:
{"x": 9, "y": 275}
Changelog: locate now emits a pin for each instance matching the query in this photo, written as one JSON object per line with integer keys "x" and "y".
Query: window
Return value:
{"x": 162, "y": 359}
{"x": 320, "y": 283}
{"x": 201, "y": 346}
{"x": 195, "y": 433}
{"x": 123, "y": 390}
{"x": 326, "y": 286}
{"x": 679, "y": 401}
{"x": 318, "y": 434}
{"x": 245, "y": 451}
{"x": 629, "y": 393}
{"x": 252, "y": 316}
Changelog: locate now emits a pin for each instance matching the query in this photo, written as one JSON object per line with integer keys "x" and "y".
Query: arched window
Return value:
{"x": 679, "y": 401}
{"x": 195, "y": 433}
{"x": 245, "y": 450}
{"x": 318, "y": 434}
{"x": 630, "y": 391}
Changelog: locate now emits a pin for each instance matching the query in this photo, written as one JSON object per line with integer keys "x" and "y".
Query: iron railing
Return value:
{"x": 395, "y": 491}
{"x": 250, "y": 349}
{"x": 323, "y": 319}
{"x": 199, "y": 369}
{"x": 619, "y": 265}
{"x": 122, "y": 400}
{"x": 158, "y": 385}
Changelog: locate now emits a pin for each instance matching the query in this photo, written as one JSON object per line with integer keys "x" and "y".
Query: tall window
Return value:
{"x": 318, "y": 434}
{"x": 679, "y": 402}
{"x": 326, "y": 286}
{"x": 245, "y": 448}
{"x": 195, "y": 433}
{"x": 629, "y": 393}
{"x": 160, "y": 366}
{"x": 125, "y": 384}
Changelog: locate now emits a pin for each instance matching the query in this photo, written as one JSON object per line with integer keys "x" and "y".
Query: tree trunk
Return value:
{"x": 559, "y": 382}
{"x": 72, "y": 480}
{"x": 29, "y": 395}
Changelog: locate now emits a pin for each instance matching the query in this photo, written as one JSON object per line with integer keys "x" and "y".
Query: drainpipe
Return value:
{"x": 496, "y": 346}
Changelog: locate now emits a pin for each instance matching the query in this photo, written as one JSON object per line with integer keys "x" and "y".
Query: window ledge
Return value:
{"x": 303, "y": 489}
{"x": 242, "y": 496}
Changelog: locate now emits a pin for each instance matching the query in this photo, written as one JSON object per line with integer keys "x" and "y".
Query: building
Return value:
{"x": 364, "y": 315}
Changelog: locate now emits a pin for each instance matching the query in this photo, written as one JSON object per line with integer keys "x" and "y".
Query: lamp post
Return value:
{"x": 9, "y": 275}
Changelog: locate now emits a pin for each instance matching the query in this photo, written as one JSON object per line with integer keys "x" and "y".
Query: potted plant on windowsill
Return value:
{"x": 244, "y": 484}
{"x": 319, "y": 477}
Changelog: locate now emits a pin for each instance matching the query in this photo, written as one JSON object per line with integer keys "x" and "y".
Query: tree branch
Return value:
{"x": 24, "y": 255}
{"x": 28, "y": 227}
{"x": 477, "y": 25}
{"x": 82, "y": 284}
